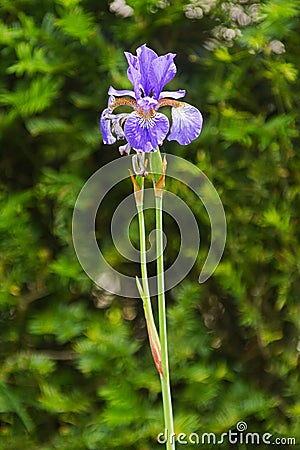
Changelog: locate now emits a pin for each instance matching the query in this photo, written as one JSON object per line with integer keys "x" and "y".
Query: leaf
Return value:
{"x": 13, "y": 404}
{"x": 32, "y": 98}
{"x": 65, "y": 322}
{"x": 30, "y": 60}
{"x": 36, "y": 363}
{"x": 56, "y": 401}
{"x": 9, "y": 34}
{"x": 38, "y": 125}
{"x": 77, "y": 23}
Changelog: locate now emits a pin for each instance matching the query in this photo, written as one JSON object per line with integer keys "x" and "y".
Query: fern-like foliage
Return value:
{"x": 76, "y": 370}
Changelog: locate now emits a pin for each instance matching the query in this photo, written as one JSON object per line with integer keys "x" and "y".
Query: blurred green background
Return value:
{"x": 76, "y": 370}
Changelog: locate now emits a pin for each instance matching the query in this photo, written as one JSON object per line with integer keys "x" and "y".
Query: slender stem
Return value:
{"x": 143, "y": 250}
{"x": 152, "y": 331}
{"x": 165, "y": 377}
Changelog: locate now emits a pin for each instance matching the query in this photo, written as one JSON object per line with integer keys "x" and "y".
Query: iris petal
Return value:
{"x": 133, "y": 69}
{"x": 105, "y": 126}
{"x": 146, "y": 56}
{"x": 120, "y": 92}
{"x": 134, "y": 74}
{"x": 124, "y": 149}
{"x": 146, "y": 134}
{"x": 186, "y": 124}
{"x": 173, "y": 94}
{"x": 164, "y": 70}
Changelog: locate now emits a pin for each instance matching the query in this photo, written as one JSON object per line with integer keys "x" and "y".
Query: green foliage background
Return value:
{"x": 76, "y": 371}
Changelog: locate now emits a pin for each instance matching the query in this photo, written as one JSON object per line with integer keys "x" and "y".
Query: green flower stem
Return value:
{"x": 165, "y": 377}
{"x": 144, "y": 290}
{"x": 141, "y": 220}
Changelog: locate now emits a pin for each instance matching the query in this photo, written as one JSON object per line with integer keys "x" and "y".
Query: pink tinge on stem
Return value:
{"x": 156, "y": 353}
{"x": 155, "y": 347}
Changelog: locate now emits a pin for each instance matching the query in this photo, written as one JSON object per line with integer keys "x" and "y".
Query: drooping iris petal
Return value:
{"x": 186, "y": 124}
{"x": 146, "y": 134}
{"x": 146, "y": 56}
{"x": 172, "y": 94}
{"x": 116, "y": 122}
{"x": 164, "y": 70}
{"x": 105, "y": 126}
{"x": 120, "y": 93}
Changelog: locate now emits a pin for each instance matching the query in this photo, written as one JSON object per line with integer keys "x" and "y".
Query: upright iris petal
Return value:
{"x": 146, "y": 57}
{"x": 164, "y": 71}
{"x": 133, "y": 72}
{"x": 145, "y": 128}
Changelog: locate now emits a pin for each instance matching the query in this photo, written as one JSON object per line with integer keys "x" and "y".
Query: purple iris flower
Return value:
{"x": 145, "y": 128}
